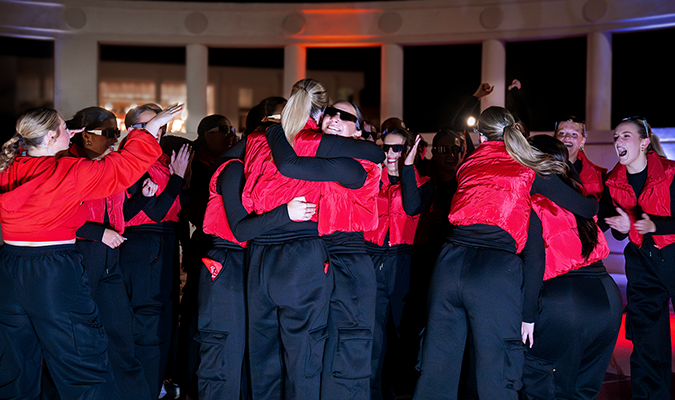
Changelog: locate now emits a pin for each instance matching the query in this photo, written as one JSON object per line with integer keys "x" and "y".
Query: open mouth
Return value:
{"x": 621, "y": 151}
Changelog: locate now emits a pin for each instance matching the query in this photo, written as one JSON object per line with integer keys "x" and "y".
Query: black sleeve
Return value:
{"x": 519, "y": 108}
{"x": 337, "y": 146}
{"x": 459, "y": 123}
{"x": 157, "y": 211}
{"x": 558, "y": 192}
{"x": 236, "y": 151}
{"x": 607, "y": 209}
{"x": 666, "y": 225}
{"x": 346, "y": 171}
{"x": 534, "y": 262}
{"x": 137, "y": 202}
{"x": 415, "y": 199}
{"x": 245, "y": 226}
{"x": 91, "y": 231}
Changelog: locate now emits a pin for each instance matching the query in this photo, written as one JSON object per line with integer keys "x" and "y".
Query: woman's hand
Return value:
{"x": 112, "y": 239}
{"x": 149, "y": 188}
{"x": 410, "y": 158}
{"x": 162, "y": 118}
{"x": 483, "y": 90}
{"x": 180, "y": 161}
{"x": 527, "y": 333}
{"x": 645, "y": 225}
{"x": 300, "y": 210}
{"x": 620, "y": 223}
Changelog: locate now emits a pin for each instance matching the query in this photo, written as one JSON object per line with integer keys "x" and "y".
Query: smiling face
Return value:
{"x": 392, "y": 157}
{"x": 336, "y": 125}
{"x": 572, "y": 135}
{"x": 629, "y": 146}
{"x": 98, "y": 146}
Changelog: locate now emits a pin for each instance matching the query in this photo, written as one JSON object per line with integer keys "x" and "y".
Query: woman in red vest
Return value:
{"x": 46, "y": 308}
{"x": 572, "y": 132}
{"x": 641, "y": 188}
{"x": 578, "y": 313}
{"x": 476, "y": 284}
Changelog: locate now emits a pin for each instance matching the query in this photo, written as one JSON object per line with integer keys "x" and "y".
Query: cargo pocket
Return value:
{"x": 353, "y": 353}
{"x": 538, "y": 380}
{"x": 88, "y": 334}
{"x": 213, "y": 357}
{"x": 147, "y": 326}
{"x": 317, "y": 343}
{"x": 513, "y": 363}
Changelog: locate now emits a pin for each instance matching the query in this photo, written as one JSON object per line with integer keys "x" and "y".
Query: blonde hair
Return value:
{"x": 31, "y": 129}
{"x": 308, "y": 99}
{"x": 497, "y": 123}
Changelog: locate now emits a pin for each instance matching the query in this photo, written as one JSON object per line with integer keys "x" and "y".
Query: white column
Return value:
{"x": 295, "y": 66}
{"x": 196, "y": 79}
{"x": 493, "y": 71}
{"x": 391, "y": 83}
{"x": 75, "y": 74}
{"x": 599, "y": 81}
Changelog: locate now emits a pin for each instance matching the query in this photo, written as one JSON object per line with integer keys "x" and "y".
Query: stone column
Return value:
{"x": 493, "y": 71}
{"x": 295, "y": 66}
{"x": 196, "y": 80}
{"x": 599, "y": 81}
{"x": 75, "y": 74}
{"x": 391, "y": 83}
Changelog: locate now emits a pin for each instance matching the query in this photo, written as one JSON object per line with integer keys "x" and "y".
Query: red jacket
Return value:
{"x": 350, "y": 210}
{"x": 41, "y": 197}
{"x": 266, "y": 188}
{"x": 494, "y": 189}
{"x": 592, "y": 176}
{"x": 654, "y": 198}
{"x": 391, "y": 215}
{"x": 159, "y": 173}
{"x": 563, "y": 247}
{"x": 215, "y": 219}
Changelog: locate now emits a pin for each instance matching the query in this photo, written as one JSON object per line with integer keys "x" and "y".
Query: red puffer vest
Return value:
{"x": 391, "y": 215}
{"x": 160, "y": 174}
{"x": 215, "y": 219}
{"x": 266, "y": 188}
{"x": 494, "y": 189}
{"x": 350, "y": 210}
{"x": 592, "y": 176}
{"x": 563, "y": 247}
{"x": 654, "y": 198}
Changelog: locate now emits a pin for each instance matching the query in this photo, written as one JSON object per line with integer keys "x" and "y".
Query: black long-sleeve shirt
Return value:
{"x": 155, "y": 207}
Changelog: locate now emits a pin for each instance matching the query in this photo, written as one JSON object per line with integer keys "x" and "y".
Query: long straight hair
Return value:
{"x": 308, "y": 100}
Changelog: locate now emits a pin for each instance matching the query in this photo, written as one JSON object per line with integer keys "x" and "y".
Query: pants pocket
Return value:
{"x": 88, "y": 334}
{"x": 538, "y": 380}
{"x": 213, "y": 357}
{"x": 353, "y": 353}
{"x": 148, "y": 328}
{"x": 317, "y": 343}
{"x": 513, "y": 363}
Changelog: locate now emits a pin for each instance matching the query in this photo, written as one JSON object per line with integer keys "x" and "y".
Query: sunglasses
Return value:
{"x": 396, "y": 148}
{"x": 639, "y": 120}
{"x": 448, "y": 149}
{"x": 109, "y": 133}
{"x": 343, "y": 115}
{"x": 224, "y": 129}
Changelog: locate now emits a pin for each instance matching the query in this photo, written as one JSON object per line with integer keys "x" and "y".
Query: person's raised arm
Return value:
{"x": 415, "y": 198}
{"x": 557, "y": 191}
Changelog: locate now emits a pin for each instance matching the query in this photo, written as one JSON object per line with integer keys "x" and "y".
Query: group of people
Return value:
{"x": 318, "y": 256}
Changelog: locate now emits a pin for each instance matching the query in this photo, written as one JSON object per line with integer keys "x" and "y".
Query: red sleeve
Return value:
{"x": 117, "y": 170}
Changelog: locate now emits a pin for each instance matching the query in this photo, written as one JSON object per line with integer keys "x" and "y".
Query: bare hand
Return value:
{"x": 483, "y": 90}
{"x": 410, "y": 158}
{"x": 162, "y": 118}
{"x": 149, "y": 187}
{"x": 527, "y": 333}
{"x": 515, "y": 83}
{"x": 300, "y": 210}
{"x": 619, "y": 223}
{"x": 180, "y": 161}
{"x": 645, "y": 225}
{"x": 112, "y": 239}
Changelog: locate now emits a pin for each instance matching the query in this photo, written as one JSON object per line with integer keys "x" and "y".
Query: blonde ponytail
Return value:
{"x": 308, "y": 99}
{"x": 31, "y": 128}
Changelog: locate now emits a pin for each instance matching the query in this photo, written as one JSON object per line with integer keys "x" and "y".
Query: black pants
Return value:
{"x": 222, "y": 326}
{"x": 477, "y": 289}
{"x": 289, "y": 288}
{"x": 575, "y": 335}
{"x": 651, "y": 285}
{"x": 147, "y": 264}
{"x": 46, "y": 310}
{"x": 347, "y": 359}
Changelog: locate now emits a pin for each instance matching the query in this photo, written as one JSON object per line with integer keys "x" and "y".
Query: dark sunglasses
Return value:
{"x": 397, "y": 148}
{"x": 109, "y": 133}
{"x": 223, "y": 128}
{"x": 571, "y": 118}
{"x": 448, "y": 149}
{"x": 344, "y": 115}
